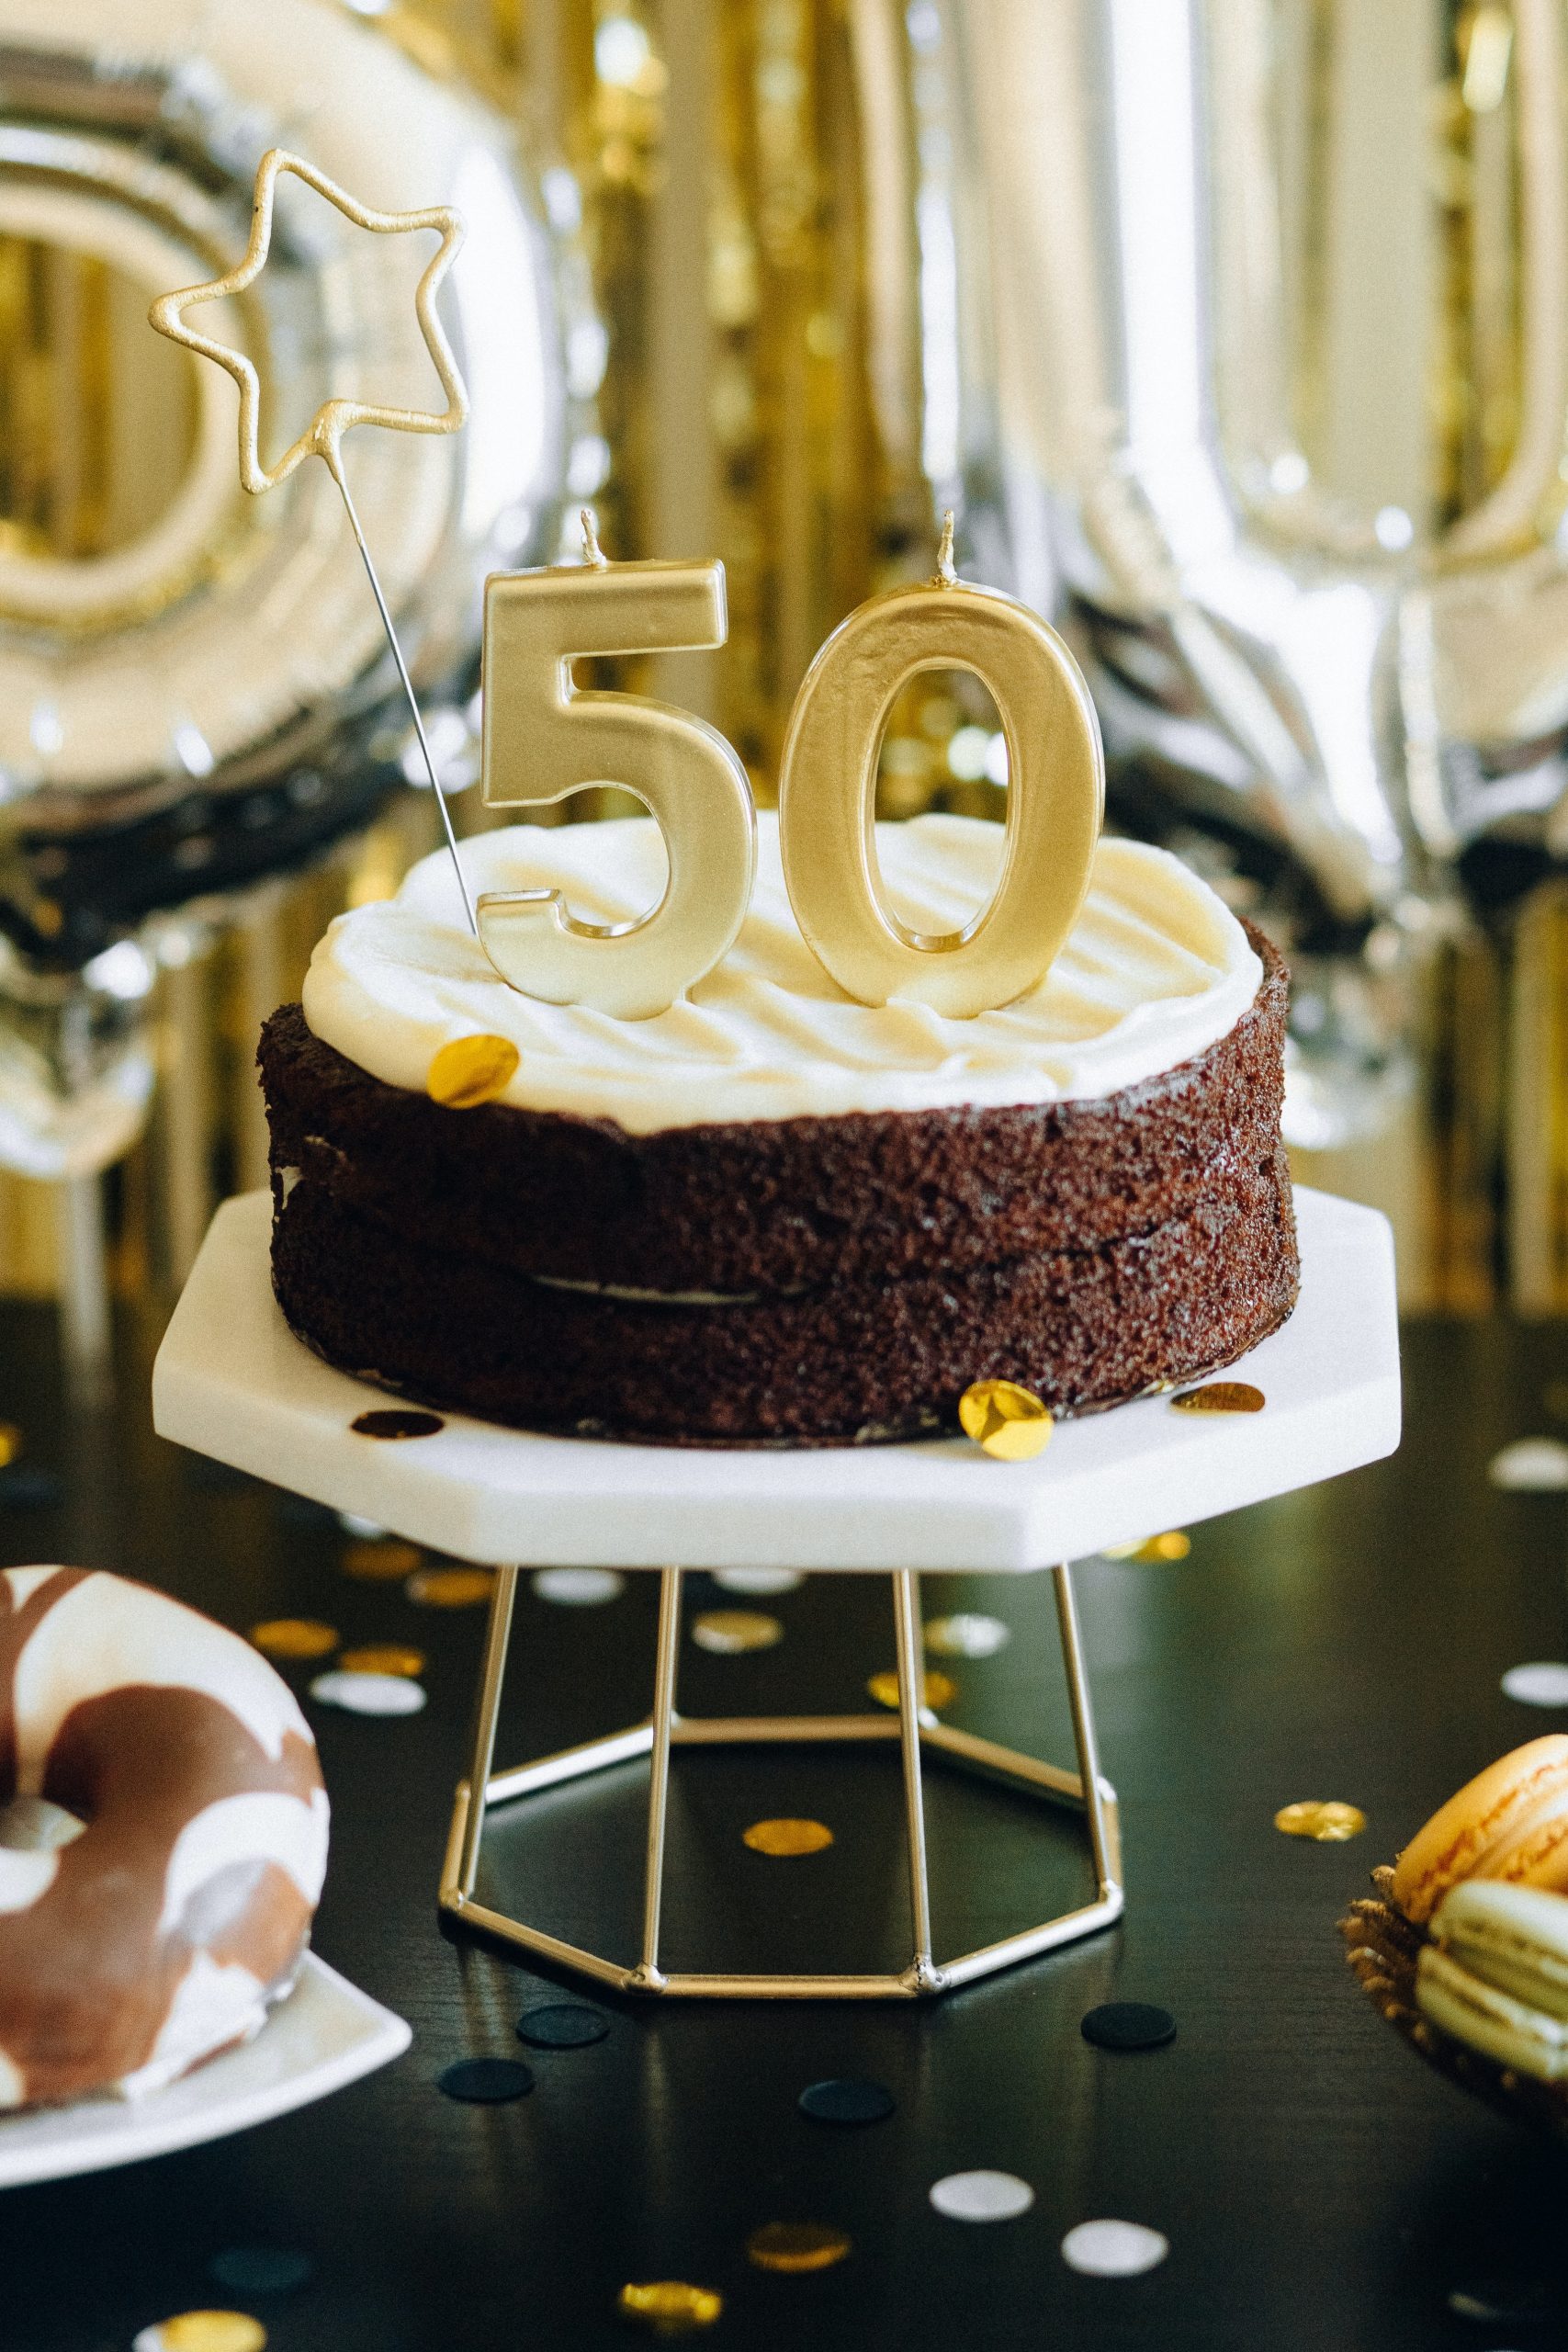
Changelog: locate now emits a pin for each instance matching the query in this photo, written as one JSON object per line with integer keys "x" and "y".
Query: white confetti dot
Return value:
{"x": 1543, "y": 1683}
{"x": 982, "y": 2196}
{"x": 1113, "y": 2249}
{"x": 762, "y": 1584}
{"x": 967, "y": 1635}
{"x": 578, "y": 1588}
{"x": 368, "y": 1694}
{"x": 1534, "y": 1465}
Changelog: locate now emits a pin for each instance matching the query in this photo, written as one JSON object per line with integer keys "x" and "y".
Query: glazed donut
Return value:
{"x": 162, "y": 1930}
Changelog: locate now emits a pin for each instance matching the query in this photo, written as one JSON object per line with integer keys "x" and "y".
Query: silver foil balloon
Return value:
{"x": 1275, "y": 297}
{"x": 206, "y": 698}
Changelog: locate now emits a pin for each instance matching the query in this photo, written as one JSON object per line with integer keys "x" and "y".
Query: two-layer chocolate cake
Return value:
{"x": 771, "y": 1213}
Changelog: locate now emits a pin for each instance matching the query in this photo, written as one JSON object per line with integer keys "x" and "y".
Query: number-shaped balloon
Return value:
{"x": 828, "y": 791}
{"x": 544, "y": 738}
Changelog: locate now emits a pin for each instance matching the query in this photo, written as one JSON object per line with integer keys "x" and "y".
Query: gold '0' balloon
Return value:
{"x": 827, "y": 796}
{"x": 545, "y": 738}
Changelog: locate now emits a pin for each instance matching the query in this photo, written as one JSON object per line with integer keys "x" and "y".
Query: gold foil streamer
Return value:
{"x": 788, "y": 1837}
{"x": 1009, "y": 1422}
{"x": 213, "y": 2332}
{"x": 1324, "y": 1818}
{"x": 797, "y": 2246}
{"x": 381, "y": 1563}
{"x": 397, "y": 1422}
{"x": 10, "y": 1443}
{"x": 727, "y": 1632}
{"x": 1220, "y": 1396}
{"x": 937, "y": 1691}
{"x": 471, "y": 1071}
{"x": 450, "y": 1587}
{"x": 295, "y": 1637}
{"x": 670, "y": 2306}
{"x": 383, "y": 1658}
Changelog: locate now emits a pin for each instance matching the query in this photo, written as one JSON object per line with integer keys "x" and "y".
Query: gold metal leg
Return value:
{"x": 648, "y": 1978}
{"x": 923, "y": 1973}
{"x": 915, "y": 1728}
{"x": 498, "y": 1634}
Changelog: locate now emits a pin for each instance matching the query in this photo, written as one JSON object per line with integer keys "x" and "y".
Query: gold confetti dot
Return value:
{"x": 727, "y": 1632}
{"x": 450, "y": 1587}
{"x": 213, "y": 2332}
{"x": 10, "y": 1443}
{"x": 1324, "y": 1818}
{"x": 785, "y": 1837}
{"x": 1220, "y": 1396}
{"x": 387, "y": 1563}
{"x": 397, "y": 1422}
{"x": 795, "y": 2247}
{"x": 383, "y": 1658}
{"x": 671, "y": 2306}
{"x": 1009, "y": 1422}
{"x": 1172, "y": 1545}
{"x": 471, "y": 1071}
{"x": 295, "y": 1637}
{"x": 937, "y": 1691}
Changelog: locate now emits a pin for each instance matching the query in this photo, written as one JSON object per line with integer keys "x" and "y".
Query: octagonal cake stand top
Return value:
{"x": 232, "y": 1380}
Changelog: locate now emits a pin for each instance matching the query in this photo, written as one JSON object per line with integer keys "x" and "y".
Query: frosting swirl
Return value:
{"x": 1155, "y": 970}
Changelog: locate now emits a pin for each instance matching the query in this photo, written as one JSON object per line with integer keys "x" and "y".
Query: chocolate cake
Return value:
{"x": 1083, "y": 1192}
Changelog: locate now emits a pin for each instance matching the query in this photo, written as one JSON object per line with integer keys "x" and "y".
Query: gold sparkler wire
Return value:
{"x": 322, "y": 437}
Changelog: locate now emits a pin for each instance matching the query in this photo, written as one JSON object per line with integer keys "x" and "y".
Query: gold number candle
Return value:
{"x": 544, "y": 737}
{"x": 827, "y": 787}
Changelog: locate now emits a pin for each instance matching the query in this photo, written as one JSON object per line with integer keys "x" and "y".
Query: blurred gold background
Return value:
{"x": 761, "y": 402}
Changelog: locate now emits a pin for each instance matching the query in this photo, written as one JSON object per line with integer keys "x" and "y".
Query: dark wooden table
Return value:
{"x": 1318, "y": 2186}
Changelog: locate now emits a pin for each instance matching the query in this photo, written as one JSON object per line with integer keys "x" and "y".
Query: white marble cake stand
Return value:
{"x": 232, "y": 1382}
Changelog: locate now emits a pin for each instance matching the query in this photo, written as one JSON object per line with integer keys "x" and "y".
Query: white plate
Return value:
{"x": 326, "y": 2034}
{"x": 233, "y": 1381}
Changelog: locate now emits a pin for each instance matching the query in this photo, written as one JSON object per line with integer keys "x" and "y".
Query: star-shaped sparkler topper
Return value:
{"x": 324, "y": 435}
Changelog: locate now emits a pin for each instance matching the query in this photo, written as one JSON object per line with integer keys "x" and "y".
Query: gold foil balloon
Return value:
{"x": 545, "y": 738}
{"x": 827, "y": 796}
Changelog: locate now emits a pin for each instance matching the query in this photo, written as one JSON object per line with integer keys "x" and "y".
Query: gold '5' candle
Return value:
{"x": 544, "y": 738}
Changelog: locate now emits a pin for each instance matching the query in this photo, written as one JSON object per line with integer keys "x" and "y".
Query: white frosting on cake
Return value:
{"x": 1155, "y": 969}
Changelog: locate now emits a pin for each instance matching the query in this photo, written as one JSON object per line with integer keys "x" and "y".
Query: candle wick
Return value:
{"x": 946, "y": 577}
{"x": 592, "y": 551}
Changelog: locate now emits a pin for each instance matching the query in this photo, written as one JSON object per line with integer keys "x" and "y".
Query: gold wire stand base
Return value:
{"x": 916, "y": 1729}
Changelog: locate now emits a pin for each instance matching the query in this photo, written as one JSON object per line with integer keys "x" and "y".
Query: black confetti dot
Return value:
{"x": 562, "y": 2025}
{"x": 1128, "y": 2025}
{"x": 262, "y": 2269}
{"x": 26, "y": 1486}
{"x": 844, "y": 2099}
{"x": 486, "y": 2082}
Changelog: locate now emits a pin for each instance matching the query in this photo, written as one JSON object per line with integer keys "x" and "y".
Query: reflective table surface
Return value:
{"x": 1317, "y": 2185}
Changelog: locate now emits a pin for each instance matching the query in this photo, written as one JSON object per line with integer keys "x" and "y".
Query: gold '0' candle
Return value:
{"x": 827, "y": 796}
{"x": 545, "y": 738}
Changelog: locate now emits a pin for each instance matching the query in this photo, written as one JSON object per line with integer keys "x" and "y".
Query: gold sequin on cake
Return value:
{"x": 1007, "y": 1422}
{"x": 471, "y": 1071}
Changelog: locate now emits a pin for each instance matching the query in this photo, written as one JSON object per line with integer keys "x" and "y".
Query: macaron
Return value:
{"x": 1483, "y": 2019}
{"x": 1510, "y": 1822}
{"x": 1515, "y": 1938}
